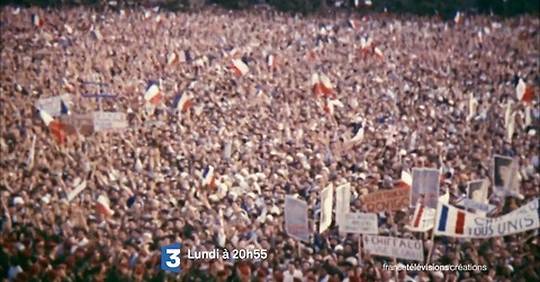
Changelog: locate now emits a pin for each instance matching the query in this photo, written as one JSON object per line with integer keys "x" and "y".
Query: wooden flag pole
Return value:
{"x": 428, "y": 259}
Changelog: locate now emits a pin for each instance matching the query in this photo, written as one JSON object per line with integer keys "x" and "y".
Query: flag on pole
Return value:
{"x": 59, "y": 130}
{"x": 37, "y": 21}
{"x": 326, "y": 86}
{"x": 321, "y": 85}
{"x": 423, "y": 219}
{"x": 182, "y": 103}
{"x": 315, "y": 85}
{"x": 239, "y": 67}
{"x": 524, "y": 92}
{"x": 103, "y": 206}
{"x": 208, "y": 178}
{"x": 172, "y": 58}
{"x": 458, "y": 18}
{"x": 153, "y": 94}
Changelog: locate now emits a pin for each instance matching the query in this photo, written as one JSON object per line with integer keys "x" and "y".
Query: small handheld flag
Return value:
{"x": 103, "y": 206}
{"x": 208, "y": 178}
{"x": 182, "y": 103}
{"x": 153, "y": 94}
{"x": 239, "y": 67}
{"x": 524, "y": 92}
{"x": 59, "y": 130}
{"x": 37, "y": 21}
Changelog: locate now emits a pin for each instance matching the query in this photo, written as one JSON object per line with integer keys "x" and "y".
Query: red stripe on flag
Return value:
{"x": 317, "y": 89}
{"x": 460, "y": 222}
{"x": 58, "y": 131}
{"x": 419, "y": 216}
{"x": 156, "y": 99}
{"x": 528, "y": 96}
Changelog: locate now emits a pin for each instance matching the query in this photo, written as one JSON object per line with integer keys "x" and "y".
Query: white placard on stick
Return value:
{"x": 327, "y": 199}
{"x": 394, "y": 247}
{"x": 425, "y": 187}
{"x": 296, "y": 218}
{"x": 343, "y": 202}
{"x": 360, "y": 223}
{"x": 109, "y": 121}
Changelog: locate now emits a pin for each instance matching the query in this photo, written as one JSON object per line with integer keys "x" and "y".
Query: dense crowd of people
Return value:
{"x": 265, "y": 133}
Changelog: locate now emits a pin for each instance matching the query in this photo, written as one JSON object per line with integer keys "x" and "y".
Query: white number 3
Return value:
{"x": 174, "y": 258}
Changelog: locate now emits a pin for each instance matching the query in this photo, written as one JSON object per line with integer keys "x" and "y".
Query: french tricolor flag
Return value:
{"x": 524, "y": 92}
{"x": 422, "y": 219}
{"x": 103, "y": 206}
{"x": 321, "y": 85}
{"x": 450, "y": 220}
{"x": 59, "y": 130}
{"x": 152, "y": 94}
{"x": 208, "y": 178}
{"x": 239, "y": 67}
{"x": 182, "y": 103}
{"x": 37, "y": 21}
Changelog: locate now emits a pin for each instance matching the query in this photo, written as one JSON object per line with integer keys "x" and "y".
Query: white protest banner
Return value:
{"x": 53, "y": 105}
{"x": 327, "y": 199}
{"x": 360, "y": 223}
{"x": 425, "y": 187}
{"x": 343, "y": 202}
{"x": 477, "y": 206}
{"x": 477, "y": 190}
{"x": 505, "y": 176}
{"x": 394, "y": 247}
{"x": 454, "y": 222}
{"x": 109, "y": 121}
{"x": 296, "y": 218}
{"x": 387, "y": 200}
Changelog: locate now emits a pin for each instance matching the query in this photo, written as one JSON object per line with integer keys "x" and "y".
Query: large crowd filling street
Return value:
{"x": 228, "y": 113}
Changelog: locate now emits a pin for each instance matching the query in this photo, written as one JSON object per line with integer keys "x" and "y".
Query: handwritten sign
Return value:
{"x": 109, "y": 121}
{"x": 387, "y": 200}
{"x": 360, "y": 223}
{"x": 394, "y": 247}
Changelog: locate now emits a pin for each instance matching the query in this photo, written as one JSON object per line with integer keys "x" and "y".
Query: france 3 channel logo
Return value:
{"x": 170, "y": 257}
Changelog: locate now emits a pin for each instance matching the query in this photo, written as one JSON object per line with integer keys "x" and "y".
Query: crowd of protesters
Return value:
{"x": 265, "y": 133}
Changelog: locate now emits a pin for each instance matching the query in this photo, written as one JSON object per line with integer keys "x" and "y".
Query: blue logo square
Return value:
{"x": 170, "y": 257}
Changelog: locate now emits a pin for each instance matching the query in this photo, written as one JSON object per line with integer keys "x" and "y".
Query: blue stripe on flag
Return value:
{"x": 443, "y": 218}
